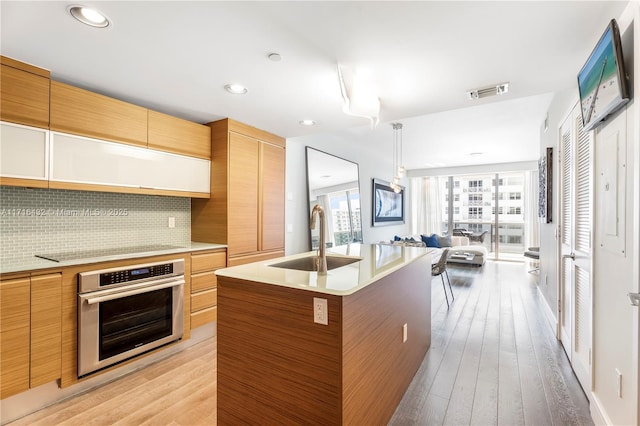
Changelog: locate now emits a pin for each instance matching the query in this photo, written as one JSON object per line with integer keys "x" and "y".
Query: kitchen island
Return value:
{"x": 278, "y": 363}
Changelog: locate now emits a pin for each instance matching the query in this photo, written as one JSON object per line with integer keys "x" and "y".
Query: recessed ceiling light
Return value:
{"x": 88, "y": 16}
{"x": 475, "y": 154}
{"x": 236, "y": 89}
{"x": 307, "y": 122}
{"x": 275, "y": 57}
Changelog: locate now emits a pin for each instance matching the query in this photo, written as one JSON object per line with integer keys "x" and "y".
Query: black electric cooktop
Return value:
{"x": 87, "y": 254}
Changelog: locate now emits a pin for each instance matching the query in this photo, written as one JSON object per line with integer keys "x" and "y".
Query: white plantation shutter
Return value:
{"x": 565, "y": 189}
{"x": 583, "y": 188}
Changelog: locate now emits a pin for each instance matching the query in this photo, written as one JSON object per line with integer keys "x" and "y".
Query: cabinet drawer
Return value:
{"x": 204, "y": 299}
{"x": 208, "y": 261}
{"x": 204, "y": 316}
{"x": 203, "y": 281}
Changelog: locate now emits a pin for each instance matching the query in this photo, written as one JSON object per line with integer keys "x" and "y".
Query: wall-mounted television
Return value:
{"x": 388, "y": 205}
{"x": 602, "y": 81}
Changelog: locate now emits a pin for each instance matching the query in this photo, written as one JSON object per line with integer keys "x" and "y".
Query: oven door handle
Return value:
{"x": 118, "y": 295}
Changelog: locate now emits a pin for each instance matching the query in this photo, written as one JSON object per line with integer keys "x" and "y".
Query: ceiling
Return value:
{"x": 176, "y": 57}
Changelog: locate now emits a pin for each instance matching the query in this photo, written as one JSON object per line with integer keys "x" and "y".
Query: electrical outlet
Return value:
{"x": 619, "y": 383}
{"x": 172, "y": 222}
{"x": 404, "y": 333}
{"x": 320, "y": 312}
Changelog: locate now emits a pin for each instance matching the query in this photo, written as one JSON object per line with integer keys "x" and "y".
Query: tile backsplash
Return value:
{"x": 37, "y": 221}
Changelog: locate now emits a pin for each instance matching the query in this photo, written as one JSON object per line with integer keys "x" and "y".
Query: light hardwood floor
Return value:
{"x": 493, "y": 360}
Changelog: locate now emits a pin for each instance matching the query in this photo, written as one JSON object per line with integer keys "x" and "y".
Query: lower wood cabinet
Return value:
{"x": 46, "y": 329}
{"x": 204, "y": 291}
{"x": 31, "y": 333}
{"x": 14, "y": 336}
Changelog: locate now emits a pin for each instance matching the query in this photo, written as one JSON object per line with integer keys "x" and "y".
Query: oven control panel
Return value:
{"x": 127, "y": 275}
{"x": 116, "y": 277}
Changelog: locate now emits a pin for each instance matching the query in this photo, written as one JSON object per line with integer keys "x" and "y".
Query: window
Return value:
{"x": 515, "y": 195}
{"x": 514, "y": 239}
{"x": 456, "y": 197}
{"x": 456, "y": 184}
{"x": 475, "y": 184}
{"x": 515, "y": 210}
{"x": 500, "y": 182}
{"x": 500, "y": 210}
{"x": 475, "y": 212}
{"x": 456, "y": 210}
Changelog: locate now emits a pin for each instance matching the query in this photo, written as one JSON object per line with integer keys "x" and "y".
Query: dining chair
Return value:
{"x": 440, "y": 268}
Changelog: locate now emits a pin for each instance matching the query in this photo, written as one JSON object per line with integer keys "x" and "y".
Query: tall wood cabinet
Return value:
{"x": 246, "y": 208}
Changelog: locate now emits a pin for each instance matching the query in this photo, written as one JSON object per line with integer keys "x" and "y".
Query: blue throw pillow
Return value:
{"x": 396, "y": 238}
{"x": 430, "y": 241}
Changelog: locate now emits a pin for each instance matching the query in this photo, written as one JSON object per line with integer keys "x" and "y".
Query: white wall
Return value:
{"x": 561, "y": 105}
{"x": 615, "y": 323}
{"x": 373, "y": 162}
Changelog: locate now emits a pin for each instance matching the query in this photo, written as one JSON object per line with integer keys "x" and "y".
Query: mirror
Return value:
{"x": 333, "y": 183}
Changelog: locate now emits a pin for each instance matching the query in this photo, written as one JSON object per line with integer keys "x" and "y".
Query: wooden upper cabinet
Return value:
{"x": 24, "y": 93}
{"x": 14, "y": 336}
{"x": 172, "y": 134}
{"x": 81, "y": 112}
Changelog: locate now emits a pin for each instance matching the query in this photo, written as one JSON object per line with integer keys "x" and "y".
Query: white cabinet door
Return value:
{"x": 91, "y": 161}
{"x": 84, "y": 160}
{"x": 23, "y": 151}
{"x": 164, "y": 170}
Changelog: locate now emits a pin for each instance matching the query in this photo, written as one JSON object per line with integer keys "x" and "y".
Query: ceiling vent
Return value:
{"x": 496, "y": 89}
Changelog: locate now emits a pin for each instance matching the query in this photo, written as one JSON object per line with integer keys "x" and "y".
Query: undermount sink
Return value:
{"x": 310, "y": 263}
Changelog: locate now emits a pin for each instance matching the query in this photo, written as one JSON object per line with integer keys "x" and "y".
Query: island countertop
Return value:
{"x": 377, "y": 261}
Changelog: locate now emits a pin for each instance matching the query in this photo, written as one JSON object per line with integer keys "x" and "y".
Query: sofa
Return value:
{"x": 463, "y": 252}
{"x": 460, "y": 250}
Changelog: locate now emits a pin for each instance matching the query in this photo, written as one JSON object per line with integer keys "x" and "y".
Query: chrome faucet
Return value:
{"x": 322, "y": 256}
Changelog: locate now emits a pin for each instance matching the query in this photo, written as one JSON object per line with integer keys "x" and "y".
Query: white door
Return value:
{"x": 576, "y": 213}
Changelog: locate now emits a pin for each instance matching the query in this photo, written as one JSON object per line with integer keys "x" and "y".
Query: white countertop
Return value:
{"x": 377, "y": 261}
{"x": 32, "y": 263}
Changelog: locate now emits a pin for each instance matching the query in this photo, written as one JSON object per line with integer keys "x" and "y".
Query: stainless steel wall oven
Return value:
{"x": 123, "y": 312}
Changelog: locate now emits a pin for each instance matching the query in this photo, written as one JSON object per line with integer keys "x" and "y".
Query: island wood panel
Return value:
{"x": 24, "y": 93}
{"x": 272, "y": 166}
{"x": 14, "y": 336}
{"x": 46, "y": 328}
{"x": 243, "y": 195}
{"x": 377, "y": 366}
{"x": 173, "y": 134}
{"x": 81, "y": 112}
{"x": 275, "y": 365}
{"x": 69, "y": 374}
{"x": 209, "y": 217}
